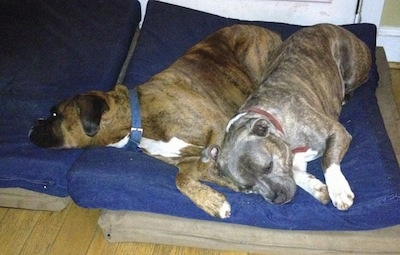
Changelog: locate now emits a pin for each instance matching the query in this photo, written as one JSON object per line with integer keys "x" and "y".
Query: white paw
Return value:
{"x": 342, "y": 197}
{"x": 339, "y": 189}
{"x": 320, "y": 191}
{"x": 312, "y": 185}
{"x": 225, "y": 210}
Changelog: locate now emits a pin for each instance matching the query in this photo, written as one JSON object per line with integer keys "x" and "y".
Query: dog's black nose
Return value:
{"x": 281, "y": 196}
{"x": 36, "y": 129}
{"x": 43, "y": 135}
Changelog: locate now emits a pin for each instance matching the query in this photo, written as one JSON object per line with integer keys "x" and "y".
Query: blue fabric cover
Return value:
{"x": 50, "y": 50}
{"x": 122, "y": 180}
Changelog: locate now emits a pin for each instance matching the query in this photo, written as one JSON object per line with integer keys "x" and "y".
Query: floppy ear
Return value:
{"x": 260, "y": 127}
{"x": 210, "y": 152}
{"x": 90, "y": 109}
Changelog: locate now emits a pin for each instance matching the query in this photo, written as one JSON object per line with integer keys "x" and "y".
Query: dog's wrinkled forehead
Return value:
{"x": 238, "y": 133}
{"x": 58, "y": 109}
{"x": 238, "y": 145}
{"x": 251, "y": 144}
{"x": 82, "y": 101}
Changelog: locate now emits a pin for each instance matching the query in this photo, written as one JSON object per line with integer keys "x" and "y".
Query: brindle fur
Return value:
{"x": 192, "y": 100}
{"x": 305, "y": 87}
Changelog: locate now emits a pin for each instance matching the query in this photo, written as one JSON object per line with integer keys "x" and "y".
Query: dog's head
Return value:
{"x": 92, "y": 119}
{"x": 255, "y": 157}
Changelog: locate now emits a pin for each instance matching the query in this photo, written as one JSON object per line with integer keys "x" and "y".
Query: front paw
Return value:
{"x": 206, "y": 198}
{"x": 339, "y": 189}
{"x": 218, "y": 207}
{"x": 312, "y": 185}
{"x": 320, "y": 192}
{"x": 225, "y": 210}
{"x": 341, "y": 195}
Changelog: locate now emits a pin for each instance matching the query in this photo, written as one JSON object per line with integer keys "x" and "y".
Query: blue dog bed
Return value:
{"x": 116, "y": 179}
{"x": 51, "y": 50}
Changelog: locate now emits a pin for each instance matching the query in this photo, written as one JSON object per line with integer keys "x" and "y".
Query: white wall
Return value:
{"x": 302, "y": 12}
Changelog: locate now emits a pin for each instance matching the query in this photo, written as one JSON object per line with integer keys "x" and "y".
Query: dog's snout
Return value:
{"x": 284, "y": 191}
{"x": 42, "y": 134}
{"x": 36, "y": 123}
{"x": 281, "y": 196}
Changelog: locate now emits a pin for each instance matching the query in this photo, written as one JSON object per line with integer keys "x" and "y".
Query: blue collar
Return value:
{"x": 136, "y": 129}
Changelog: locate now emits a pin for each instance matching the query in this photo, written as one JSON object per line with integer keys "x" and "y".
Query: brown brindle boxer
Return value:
{"x": 292, "y": 118}
{"x": 184, "y": 110}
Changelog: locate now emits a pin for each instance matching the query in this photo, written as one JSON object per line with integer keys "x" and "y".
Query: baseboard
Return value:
{"x": 394, "y": 65}
{"x": 389, "y": 38}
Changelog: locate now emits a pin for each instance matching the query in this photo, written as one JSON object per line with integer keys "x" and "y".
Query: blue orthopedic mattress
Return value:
{"x": 117, "y": 179}
{"x": 50, "y": 50}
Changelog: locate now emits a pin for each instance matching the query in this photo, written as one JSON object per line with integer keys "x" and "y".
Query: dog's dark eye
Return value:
{"x": 55, "y": 115}
{"x": 53, "y": 112}
{"x": 268, "y": 168}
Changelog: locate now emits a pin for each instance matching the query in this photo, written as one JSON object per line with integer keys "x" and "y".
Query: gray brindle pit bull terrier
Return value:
{"x": 184, "y": 110}
{"x": 292, "y": 118}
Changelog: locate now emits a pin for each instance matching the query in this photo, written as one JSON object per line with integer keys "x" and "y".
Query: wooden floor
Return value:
{"x": 74, "y": 230}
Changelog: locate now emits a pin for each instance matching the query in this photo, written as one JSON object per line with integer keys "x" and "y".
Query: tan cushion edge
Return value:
{"x": 123, "y": 226}
{"x": 26, "y": 199}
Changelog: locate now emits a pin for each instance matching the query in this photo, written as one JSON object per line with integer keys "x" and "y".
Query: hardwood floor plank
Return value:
{"x": 45, "y": 232}
{"x": 100, "y": 246}
{"x": 132, "y": 248}
{"x": 230, "y": 253}
{"x": 78, "y": 230}
{"x": 111, "y": 248}
{"x": 163, "y": 249}
{"x": 3, "y": 212}
{"x": 15, "y": 229}
{"x": 177, "y": 250}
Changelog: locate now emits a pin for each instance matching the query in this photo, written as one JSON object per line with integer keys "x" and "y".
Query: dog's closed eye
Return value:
{"x": 267, "y": 169}
{"x": 260, "y": 127}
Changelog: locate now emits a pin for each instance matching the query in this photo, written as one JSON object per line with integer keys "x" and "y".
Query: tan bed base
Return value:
{"x": 123, "y": 226}
{"x": 26, "y": 199}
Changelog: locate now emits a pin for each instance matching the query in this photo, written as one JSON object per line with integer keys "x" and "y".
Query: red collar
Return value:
{"x": 277, "y": 125}
{"x": 269, "y": 117}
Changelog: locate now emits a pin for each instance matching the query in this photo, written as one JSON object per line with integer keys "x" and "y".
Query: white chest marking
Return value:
{"x": 121, "y": 143}
{"x": 300, "y": 159}
{"x": 169, "y": 149}
{"x": 307, "y": 156}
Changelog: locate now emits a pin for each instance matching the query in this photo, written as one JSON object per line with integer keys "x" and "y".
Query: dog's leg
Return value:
{"x": 307, "y": 181}
{"x": 214, "y": 178}
{"x": 206, "y": 198}
{"x": 339, "y": 189}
